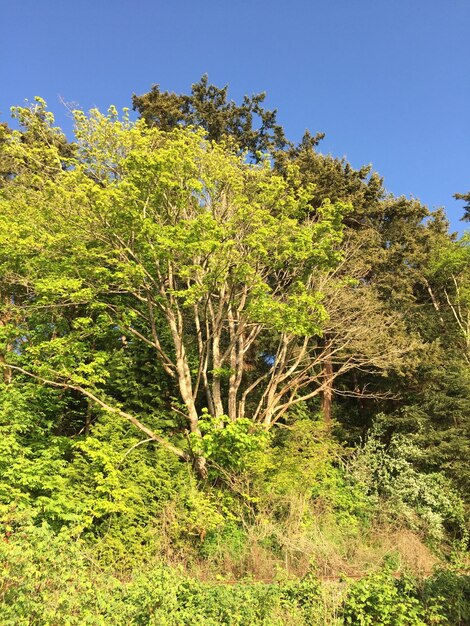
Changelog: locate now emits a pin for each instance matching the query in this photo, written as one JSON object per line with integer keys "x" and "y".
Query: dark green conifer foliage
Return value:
{"x": 249, "y": 125}
{"x": 466, "y": 198}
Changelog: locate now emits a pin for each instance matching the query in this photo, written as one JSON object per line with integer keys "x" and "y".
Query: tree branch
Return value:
{"x": 107, "y": 407}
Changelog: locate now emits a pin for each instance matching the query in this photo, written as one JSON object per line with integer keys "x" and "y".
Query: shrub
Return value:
{"x": 381, "y": 600}
{"x": 452, "y": 593}
{"x": 426, "y": 501}
{"x": 46, "y": 579}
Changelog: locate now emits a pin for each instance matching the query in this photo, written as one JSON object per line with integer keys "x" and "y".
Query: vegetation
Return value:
{"x": 235, "y": 382}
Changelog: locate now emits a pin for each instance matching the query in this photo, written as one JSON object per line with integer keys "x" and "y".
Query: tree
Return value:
{"x": 444, "y": 385}
{"x": 216, "y": 265}
{"x": 250, "y": 302}
{"x": 37, "y": 129}
{"x": 207, "y": 107}
{"x": 466, "y": 198}
{"x": 183, "y": 246}
{"x": 383, "y": 234}
{"x": 448, "y": 285}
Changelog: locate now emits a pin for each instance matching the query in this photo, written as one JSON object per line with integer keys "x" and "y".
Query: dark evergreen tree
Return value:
{"x": 249, "y": 125}
{"x": 466, "y": 198}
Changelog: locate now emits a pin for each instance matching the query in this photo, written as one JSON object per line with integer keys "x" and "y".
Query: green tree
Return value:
{"x": 466, "y": 198}
{"x": 250, "y": 126}
{"x": 207, "y": 260}
{"x": 383, "y": 235}
{"x": 440, "y": 393}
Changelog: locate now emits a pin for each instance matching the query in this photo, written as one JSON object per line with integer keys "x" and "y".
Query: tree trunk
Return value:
{"x": 216, "y": 383}
{"x": 200, "y": 467}
{"x": 327, "y": 394}
{"x": 7, "y": 373}
{"x": 186, "y": 390}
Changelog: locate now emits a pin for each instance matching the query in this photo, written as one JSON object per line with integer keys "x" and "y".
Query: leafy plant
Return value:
{"x": 380, "y": 599}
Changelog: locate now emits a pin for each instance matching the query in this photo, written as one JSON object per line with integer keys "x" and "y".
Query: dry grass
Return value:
{"x": 303, "y": 541}
{"x": 316, "y": 549}
{"x": 292, "y": 538}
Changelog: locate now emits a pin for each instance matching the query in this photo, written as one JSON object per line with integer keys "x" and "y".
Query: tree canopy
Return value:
{"x": 248, "y": 125}
{"x": 217, "y": 346}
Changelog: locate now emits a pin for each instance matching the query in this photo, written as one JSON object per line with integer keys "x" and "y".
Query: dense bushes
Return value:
{"x": 379, "y": 599}
{"x": 387, "y": 467}
{"x": 49, "y": 578}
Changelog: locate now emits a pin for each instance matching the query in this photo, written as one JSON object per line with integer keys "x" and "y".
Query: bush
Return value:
{"x": 49, "y": 579}
{"x": 46, "y": 579}
{"x": 381, "y": 600}
{"x": 452, "y": 592}
{"x": 426, "y": 501}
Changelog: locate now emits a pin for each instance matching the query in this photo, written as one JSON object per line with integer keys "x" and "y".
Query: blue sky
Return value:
{"x": 388, "y": 81}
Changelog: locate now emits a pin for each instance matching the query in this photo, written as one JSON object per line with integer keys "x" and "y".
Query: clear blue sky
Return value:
{"x": 388, "y": 81}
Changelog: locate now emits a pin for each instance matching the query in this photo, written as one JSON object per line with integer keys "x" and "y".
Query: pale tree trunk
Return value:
{"x": 237, "y": 349}
{"x": 327, "y": 394}
{"x": 216, "y": 383}
{"x": 216, "y": 324}
{"x": 203, "y": 349}
{"x": 185, "y": 385}
{"x": 7, "y": 372}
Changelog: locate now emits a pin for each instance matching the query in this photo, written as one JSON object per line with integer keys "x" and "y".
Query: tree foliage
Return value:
{"x": 248, "y": 125}
{"x": 227, "y": 351}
